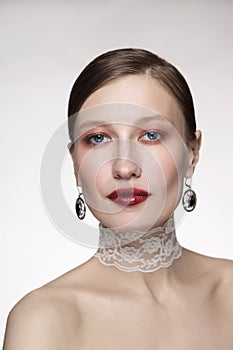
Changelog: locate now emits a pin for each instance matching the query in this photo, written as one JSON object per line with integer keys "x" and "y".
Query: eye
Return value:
{"x": 96, "y": 139}
{"x": 152, "y": 136}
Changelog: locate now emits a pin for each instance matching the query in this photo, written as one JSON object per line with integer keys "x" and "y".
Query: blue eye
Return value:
{"x": 153, "y": 135}
{"x": 95, "y": 139}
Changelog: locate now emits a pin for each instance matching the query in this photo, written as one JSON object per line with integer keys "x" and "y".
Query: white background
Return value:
{"x": 44, "y": 46}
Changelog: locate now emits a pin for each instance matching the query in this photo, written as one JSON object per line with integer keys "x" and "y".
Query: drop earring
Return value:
{"x": 80, "y": 206}
{"x": 189, "y": 199}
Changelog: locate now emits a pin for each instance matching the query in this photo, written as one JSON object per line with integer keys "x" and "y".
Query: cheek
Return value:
{"x": 174, "y": 166}
{"x": 95, "y": 176}
{"x": 173, "y": 162}
{"x": 83, "y": 168}
{"x": 98, "y": 181}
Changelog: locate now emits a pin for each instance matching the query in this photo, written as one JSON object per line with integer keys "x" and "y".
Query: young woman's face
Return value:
{"x": 131, "y": 135}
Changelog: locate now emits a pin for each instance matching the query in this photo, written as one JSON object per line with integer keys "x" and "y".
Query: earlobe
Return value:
{"x": 76, "y": 174}
{"x": 198, "y": 134}
{"x": 197, "y": 147}
{"x": 69, "y": 148}
{"x": 194, "y": 148}
{"x": 78, "y": 181}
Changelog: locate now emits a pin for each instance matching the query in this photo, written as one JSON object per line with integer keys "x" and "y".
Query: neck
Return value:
{"x": 139, "y": 251}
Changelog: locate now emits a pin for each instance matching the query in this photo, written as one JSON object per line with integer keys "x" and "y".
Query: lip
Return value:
{"x": 128, "y": 196}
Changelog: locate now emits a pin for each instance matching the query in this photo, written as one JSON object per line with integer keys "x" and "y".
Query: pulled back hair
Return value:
{"x": 120, "y": 63}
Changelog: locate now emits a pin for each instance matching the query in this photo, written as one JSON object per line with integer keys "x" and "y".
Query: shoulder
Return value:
{"x": 223, "y": 272}
{"x": 220, "y": 266}
{"x": 42, "y": 318}
{"x": 217, "y": 273}
{"x": 221, "y": 300}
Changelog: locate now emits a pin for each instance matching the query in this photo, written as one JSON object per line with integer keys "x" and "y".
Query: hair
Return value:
{"x": 120, "y": 63}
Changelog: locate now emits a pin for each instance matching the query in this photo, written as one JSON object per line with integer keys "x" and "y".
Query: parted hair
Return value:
{"x": 124, "y": 62}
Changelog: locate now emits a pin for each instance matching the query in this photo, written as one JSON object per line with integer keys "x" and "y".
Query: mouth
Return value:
{"x": 128, "y": 196}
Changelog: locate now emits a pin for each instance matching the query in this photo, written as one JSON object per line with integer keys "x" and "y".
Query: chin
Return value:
{"x": 142, "y": 217}
{"x": 125, "y": 223}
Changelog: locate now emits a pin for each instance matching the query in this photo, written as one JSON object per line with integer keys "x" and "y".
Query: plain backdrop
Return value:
{"x": 44, "y": 46}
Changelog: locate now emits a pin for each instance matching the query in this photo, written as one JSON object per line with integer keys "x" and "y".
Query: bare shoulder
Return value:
{"x": 217, "y": 271}
{"x": 222, "y": 296}
{"x": 223, "y": 268}
{"x": 46, "y": 318}
{"x": 218, "y": 280}
{"x": 223, "y": 271}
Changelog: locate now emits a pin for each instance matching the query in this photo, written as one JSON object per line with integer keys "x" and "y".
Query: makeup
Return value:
{"x": 128, "y": 196}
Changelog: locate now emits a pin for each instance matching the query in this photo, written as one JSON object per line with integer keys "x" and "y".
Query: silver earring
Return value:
{"x": 189, "y": 199}
{"x": 80, "y": 206}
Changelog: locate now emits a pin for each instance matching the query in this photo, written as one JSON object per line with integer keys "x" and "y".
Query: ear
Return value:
{"x": 70, "y": 148}
{"x": 194, "y": 147}
{"x": 76, "y": 174}
{"x": 69, "y": 145}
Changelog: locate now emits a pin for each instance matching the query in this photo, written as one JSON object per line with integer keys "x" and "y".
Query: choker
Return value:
{"x": 139, "y": 251}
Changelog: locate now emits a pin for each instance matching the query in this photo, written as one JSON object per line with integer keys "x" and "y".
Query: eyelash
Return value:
{"x": 159, "y": 134}
{"x": 90, "y": 137}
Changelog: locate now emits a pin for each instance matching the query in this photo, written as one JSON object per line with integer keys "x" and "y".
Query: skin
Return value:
{"x": 186, "y": 306}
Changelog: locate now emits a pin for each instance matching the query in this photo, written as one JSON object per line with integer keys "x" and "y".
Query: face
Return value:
{"x": 131, "y": 155}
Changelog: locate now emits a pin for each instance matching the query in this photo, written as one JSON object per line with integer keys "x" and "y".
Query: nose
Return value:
{"x": 125, "y": 168}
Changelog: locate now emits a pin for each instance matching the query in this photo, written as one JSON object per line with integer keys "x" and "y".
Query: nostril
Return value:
{"x": 123, "y": 168}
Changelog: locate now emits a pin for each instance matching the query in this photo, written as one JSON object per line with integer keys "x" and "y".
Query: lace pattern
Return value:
{"x": 148, "y": 252}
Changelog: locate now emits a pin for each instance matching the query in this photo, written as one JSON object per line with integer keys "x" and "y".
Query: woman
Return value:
{"x": 134, "y": 144}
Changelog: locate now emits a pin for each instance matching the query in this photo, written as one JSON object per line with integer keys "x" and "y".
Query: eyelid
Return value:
{"x": 144, "y": 132}
{"x": 88, "y": 137}
{"x": 96, "y": 130}
{"x": 159, "y": 132}
{"x": 91, "y": 133}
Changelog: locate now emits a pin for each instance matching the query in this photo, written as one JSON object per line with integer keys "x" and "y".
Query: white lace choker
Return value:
{"x": 139, "y": 251}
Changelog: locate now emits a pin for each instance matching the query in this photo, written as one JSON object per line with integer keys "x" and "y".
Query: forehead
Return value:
{"x": 140, "y": 90}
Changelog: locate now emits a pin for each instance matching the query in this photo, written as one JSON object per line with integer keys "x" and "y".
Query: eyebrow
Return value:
{"x": 91, "y": 123}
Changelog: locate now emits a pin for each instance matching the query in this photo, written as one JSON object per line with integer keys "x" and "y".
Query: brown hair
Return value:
{"x": 130, "y": 61}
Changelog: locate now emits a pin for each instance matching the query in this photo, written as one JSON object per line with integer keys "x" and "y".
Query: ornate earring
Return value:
{"x": 189, "y": 199}
{"x": 80, "y": 206}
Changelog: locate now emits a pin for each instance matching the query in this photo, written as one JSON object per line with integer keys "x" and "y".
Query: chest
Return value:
{"x": 152, "y": 327}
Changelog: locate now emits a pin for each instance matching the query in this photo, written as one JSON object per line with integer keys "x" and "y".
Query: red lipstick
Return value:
{"x": 128, "y": 196}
